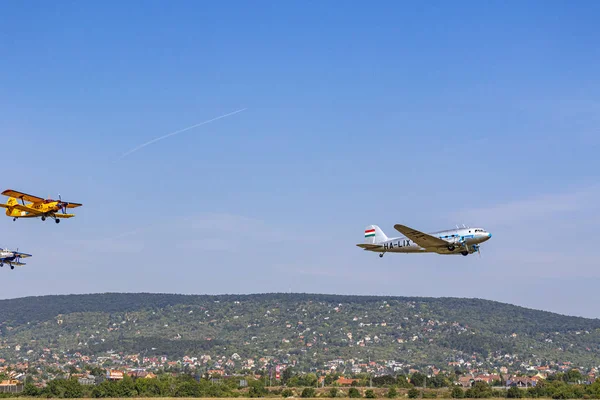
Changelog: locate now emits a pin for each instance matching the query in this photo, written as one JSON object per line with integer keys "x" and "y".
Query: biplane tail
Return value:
{"x": 9, "y": 205}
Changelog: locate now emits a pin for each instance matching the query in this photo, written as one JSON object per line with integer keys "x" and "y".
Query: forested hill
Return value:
{"x": 309, "y": 328}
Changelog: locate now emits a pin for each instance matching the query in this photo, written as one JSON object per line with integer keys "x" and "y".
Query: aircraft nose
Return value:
{"x": 489, "y": 235}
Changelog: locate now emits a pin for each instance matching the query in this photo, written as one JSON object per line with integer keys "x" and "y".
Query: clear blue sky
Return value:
{"x": 427, "y": 114}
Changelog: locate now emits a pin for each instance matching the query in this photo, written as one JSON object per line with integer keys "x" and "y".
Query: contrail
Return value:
{"x": 179, "y": 131}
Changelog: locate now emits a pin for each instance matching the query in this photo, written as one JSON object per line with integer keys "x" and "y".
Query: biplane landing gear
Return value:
{"x": 464, "y": 253}
{"x": 43, "y": 218}
{"x": 12, "y": 266}
{"x": 381, "y": 255}
{"x": 14, "y": 219}
{"x": 57, "y": 220}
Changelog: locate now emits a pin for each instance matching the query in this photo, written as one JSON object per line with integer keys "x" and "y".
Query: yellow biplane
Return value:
{"x": 37, "y": 207}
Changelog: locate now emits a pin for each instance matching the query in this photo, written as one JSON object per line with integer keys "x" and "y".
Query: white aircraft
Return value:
{"x": 463, "y": 241}
{"x": 12, "y": 258}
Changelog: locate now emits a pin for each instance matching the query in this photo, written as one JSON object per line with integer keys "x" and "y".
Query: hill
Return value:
{"x": 310, "y": 329}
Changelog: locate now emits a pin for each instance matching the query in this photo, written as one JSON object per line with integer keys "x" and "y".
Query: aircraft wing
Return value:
{"x": 422, "y": 239}
{"x": 17, "y": 264}
{"x": 27, "y": 209}
{"x": 58, "y": 215}
{"x": 24, "y": 196}
{"x": 367, "y": 246}
{"x": 21, "y": 255}
{"x": 73, "y": 205}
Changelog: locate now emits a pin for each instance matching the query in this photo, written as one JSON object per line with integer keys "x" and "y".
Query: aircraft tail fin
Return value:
{"x": 373, "y": 235}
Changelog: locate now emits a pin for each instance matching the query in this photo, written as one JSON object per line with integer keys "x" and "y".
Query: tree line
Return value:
{"x": 168, "y": 385}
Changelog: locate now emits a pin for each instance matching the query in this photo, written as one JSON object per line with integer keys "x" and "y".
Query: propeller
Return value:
{"x": 62, "y": 205}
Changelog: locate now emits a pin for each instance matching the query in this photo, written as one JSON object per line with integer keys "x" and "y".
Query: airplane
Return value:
{"x": 37, "y": 207}
{"x": 12, "y": 258}
{"x": 463, "y": 241}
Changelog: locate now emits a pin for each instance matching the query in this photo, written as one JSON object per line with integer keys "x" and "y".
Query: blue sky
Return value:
{"x": 427, "y": 114}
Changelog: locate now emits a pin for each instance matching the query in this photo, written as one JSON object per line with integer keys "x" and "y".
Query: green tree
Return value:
{"x": 413, "y": 393}
{"x": 383, "y": 380}
{"x": 478, "y": 391}
{"x": 457, "y": 392}
{"x": 573, "y": 376}
{"x": 308, "y": 392}
{"x": 309, "y": 379}
{"x": 392, "y": 393}
{"x": 418, "y": 379}
{"x": 353, "y": 393}
{"x": 514, "y": 393}
{"x": 369, "y": 394}
{"x": 30, "y": 390}
{"x": 402, "y": 381}
{"x": 286, "y": 375}
{"x": 333, "y": 392}
{"x": 287, "y": 393}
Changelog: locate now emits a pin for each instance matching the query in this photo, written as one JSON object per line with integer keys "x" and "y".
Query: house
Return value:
{"x": 114, "y": 375}
{"x": 346, "y": 381}
{"x": 11, "y": 386}
{"x": 466, "y": 381}
{"x": 87, "y": 380}
{"x": 487, "y": 378}
{"x": 521, "y": 381}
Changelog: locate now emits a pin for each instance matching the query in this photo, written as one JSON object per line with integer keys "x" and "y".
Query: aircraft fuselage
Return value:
{"x": 458, "y": 241}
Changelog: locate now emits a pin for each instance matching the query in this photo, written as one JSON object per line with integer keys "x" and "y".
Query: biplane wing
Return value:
{"x": 17, "y": 263}
{"x": 73, "y": 205}
{"x": 27, "y": 209}
{"x": 23, "y": 196}
{"x": 21, "y": 255}
{"x": 57, "y": 215}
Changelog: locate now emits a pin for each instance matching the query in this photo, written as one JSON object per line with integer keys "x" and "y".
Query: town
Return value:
{"x": 270, "y": 372}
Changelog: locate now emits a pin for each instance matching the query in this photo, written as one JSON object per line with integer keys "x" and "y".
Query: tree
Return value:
{"x": 392, "y": 393}
{"x": 287, "y": 393}
{"x": 310, "y": 379}
{"x": 353, "y": 393}
{"x": 403, "y": 382}
{"x": 308, "y": 392}
{"x": 514, "y": 393}
{"x": 333, "y": 392}
{"x": 384, "y": 380}
{"x": 413, "y": 393}
{"x": 478, "y": 391}
{"x": 457, "y": 392}
{"x": 287, "y": 374}
{"x": 418, "y": 379}
{"x": 369, "y": 394}
{"x": 30, "y": 390}
{"x": 573, "y": 376}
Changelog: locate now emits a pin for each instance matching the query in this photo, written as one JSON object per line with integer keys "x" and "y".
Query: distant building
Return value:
{"x": 346, "y": 381}
{"x": 114, "y": 375}
{"x": 11, "y": 386}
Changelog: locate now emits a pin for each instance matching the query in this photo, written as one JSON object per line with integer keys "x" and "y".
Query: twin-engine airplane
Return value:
{"x": 37, "y": 207}
{"x": 463, "y": 241}
{"x": 12, "y": 258}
